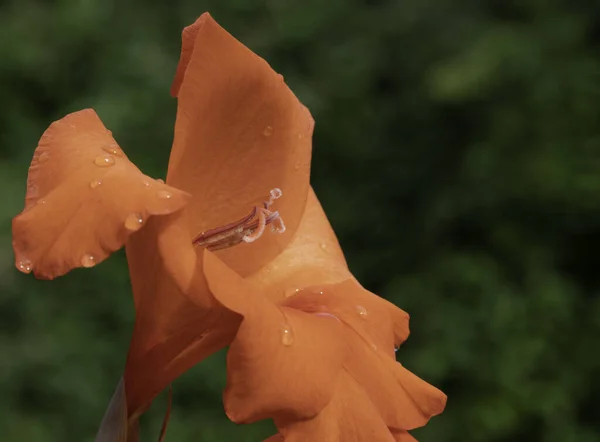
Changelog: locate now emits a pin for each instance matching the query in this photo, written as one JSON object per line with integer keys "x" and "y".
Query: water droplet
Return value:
{"x": 104, "y": 161}
{"x": 297, "y": 166}
{"x": 113, "y": 150}
{"x": 280, "y": 77}
{"x": 44, "y": 156}
{"x": 362, "y": 311}
{"x": 133, "y": 222}
{"x": 41, "y": 201}
{"x": 25, "y": 266}
{"x": 161, "y": 181}
{"x": 109, "y": 132}
{"x": 268, "y": 131}
{"x": 95, "y": 183}
{"x": 292, "y": 292}
{"x": 287, "y": 336}
{"x": 88, "y": 261}
{"x": 300, "y": 136}
{"x": 323, "y": 246}
{"x": 396, "y": 348}
{"x": 146, "y": 183}
{"x": 164, "y": 194}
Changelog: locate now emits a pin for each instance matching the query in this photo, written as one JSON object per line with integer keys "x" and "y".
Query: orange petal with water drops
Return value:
{"x": 376, "y": 321}
{"x": 349, "y": 417}
{"x": 84, "y": 198}
{"x": 240, "y": 132}
{"x": 283, "y": 362}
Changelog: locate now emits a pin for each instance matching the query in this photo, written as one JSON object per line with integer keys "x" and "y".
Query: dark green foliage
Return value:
{"x": 457, "y": 153}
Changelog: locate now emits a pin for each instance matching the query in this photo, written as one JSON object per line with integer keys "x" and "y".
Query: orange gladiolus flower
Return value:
{"x": 310, "y": 348}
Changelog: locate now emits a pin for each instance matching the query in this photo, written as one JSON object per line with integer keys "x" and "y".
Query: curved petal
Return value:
{"x": 377, "y": 322}
{"x": 240, "y": 132}
{"x": 188, "y": 39}
{"x": 349, "y": 417}
{"x": 373, "y": 328}
{"x": 403, "y": 400}
{"x": 178, "y": 322}
{"x": 283, "y": 362}
{"x": 84, "y": 198}
{"x": 312, "y": 257}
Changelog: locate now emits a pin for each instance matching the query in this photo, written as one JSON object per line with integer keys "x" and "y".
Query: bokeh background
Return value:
{"x": 456, "y": 152}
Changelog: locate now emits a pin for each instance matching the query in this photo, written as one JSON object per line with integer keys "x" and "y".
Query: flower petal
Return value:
{"x": 349, "y": 417}
{"x": 312, "y": 257}
{"x": 376, "y": 321}
{"x": 403, "y": 400}
{"x": 282, "y": 362}
{"x": 188, "y": 39}
{"x": 374, "y": 327}
{"x": 178, "y": 322}
{"x": 84, "y": 198}
{"x": 402, "y": 436}
{"x": 240, "y": 132}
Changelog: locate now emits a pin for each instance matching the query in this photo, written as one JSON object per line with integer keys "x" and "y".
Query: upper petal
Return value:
{"x": 84, "y": 198}
{"x": 240, "y": 132}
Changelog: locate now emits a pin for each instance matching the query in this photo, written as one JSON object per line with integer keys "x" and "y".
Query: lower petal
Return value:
{"x": 349, "y": 417}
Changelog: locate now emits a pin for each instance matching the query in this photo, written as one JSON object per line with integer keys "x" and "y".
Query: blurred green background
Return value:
{"x": 456, "y": 152}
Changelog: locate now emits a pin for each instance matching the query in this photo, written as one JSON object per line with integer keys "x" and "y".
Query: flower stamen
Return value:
{"x": 248, "y": 229}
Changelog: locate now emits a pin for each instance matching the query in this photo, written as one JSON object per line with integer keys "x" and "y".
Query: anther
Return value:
{"x": 248, "y": 229}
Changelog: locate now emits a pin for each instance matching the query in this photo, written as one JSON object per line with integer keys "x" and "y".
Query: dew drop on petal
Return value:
{"x": 112, "y": 149}
{"x": 95, "y": 183}
{"x": 25, "y": 266}
{"x": 287, "y": 335}
{"x": 44, "y": 156}
{"x": 291, "y": 292}
{"x": 133, "y": 222}
{"x": 104, "y": 161}
{"x": 323, "y": 246}
{"x": 41, "y": 201}
{"x": 161, "y": 181}
{"x": 362, "y": 311}
{"x": 146, "y": 183}
{"x": 88, "y": 261}
{"x": 164, "y": 194}
{"x": 297, "y": 166}
{"x": 268, "y": 131}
